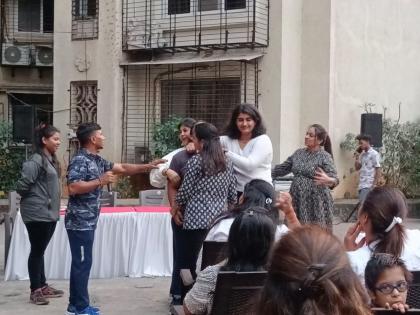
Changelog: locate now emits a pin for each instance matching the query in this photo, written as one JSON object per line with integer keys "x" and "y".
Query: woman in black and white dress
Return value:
{"x": 314, "y": 177}
{"x": 208, "y": 187}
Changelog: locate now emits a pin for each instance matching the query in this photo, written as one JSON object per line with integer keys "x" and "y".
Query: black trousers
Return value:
{"x": 40, "y": 234}
{"x": 177, "y": 243}
{"x": 189, "y": 251}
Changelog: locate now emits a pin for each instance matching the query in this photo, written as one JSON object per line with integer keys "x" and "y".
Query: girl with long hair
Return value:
{"x": 250, "y": 240}
{"x": 314, "y": 177}
{"x": 381, "y": 219}
{"x": 207, "y": 189}
{"x": 309, "y": 273}
{"x": 40, "y": 189}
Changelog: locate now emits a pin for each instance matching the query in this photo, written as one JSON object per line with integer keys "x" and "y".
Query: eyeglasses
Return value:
{"x": 388, "y": 288}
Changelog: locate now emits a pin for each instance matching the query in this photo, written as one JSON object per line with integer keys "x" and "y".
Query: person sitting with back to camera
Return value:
{"x": 250, "y": 239}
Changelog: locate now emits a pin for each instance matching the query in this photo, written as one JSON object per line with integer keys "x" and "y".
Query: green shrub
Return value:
{"x": 165, "y": 137}
{"x": 11, "y": 159}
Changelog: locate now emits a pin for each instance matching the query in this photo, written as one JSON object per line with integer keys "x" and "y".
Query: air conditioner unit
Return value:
{"x": 44, "y": 57}
{"x": 16, "y": 55}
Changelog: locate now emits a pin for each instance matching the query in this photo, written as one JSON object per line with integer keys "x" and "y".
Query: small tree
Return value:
{"x": 11, "y": 159}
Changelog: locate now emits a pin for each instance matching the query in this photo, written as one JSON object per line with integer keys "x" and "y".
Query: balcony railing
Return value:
{"x": 191, "y": 25}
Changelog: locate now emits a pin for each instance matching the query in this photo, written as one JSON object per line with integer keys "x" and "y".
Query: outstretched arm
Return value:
{"x": 131, "y": 169}
{"x": 284, "y": 204}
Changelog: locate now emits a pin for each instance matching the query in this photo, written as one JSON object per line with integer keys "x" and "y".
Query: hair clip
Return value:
{"x": 395, "y": 220}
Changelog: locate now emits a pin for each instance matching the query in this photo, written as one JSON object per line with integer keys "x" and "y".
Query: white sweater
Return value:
{"x": 251, "y": 162}
{"x": 157, "y": 179}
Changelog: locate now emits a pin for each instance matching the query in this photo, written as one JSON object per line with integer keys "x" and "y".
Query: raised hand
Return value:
{"x": 350, "y": 243}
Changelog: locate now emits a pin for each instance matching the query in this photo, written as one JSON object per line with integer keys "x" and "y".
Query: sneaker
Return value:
{"x": 50, "y": 292}
{"x": 71, "y": 310}
{"x": 38, "y": 298}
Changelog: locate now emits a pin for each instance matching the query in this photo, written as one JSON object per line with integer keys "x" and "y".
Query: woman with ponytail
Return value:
{"x": 39, "y": 187}
{"x": 208, "y": 187}
{"x": 309, "y": 273}
{"x": 314, "y": 177}
{"x": 380, "y": 218}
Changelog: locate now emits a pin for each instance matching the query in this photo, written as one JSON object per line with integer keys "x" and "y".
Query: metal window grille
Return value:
{"x": 26, "y": 112}
{"x": 85, "y": 14}
{"x": 83, "y": 107}
{"x": 191, "y": 25}
{"x": 203, "y": 91}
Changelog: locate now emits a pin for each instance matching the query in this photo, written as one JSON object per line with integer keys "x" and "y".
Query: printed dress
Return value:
{"x": 313, "y": 203}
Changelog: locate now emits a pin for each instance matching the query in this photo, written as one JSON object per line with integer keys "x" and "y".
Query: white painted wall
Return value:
{"x": 103, "y": 57}
{"x": 376, "y": 53}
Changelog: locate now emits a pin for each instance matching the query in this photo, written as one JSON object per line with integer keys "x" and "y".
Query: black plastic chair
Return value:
{"x": 382, "y": 311}
{"x": 236, "y": 293}
{"x": 413, "y": 296}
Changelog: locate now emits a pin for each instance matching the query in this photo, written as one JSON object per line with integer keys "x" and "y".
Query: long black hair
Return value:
{"x": 257, "y": 193}
{"x": 212, "y": 155}
{"x": 232, "y": 130}
{"x": 45, "y": 131}
{"x": 250, "y": 239}
{"x": 187, "y": 122}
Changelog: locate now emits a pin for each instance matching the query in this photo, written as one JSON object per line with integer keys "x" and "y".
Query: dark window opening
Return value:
{"x": 84, "y": 9}
{"x": 235, "y": 4}
{"x": 178, "y": 6}
{"x": 29, "y": 15}
{"x": 209, "y": 100}
{"x": 28, "y": 112}
{"x": 48, "y": 16}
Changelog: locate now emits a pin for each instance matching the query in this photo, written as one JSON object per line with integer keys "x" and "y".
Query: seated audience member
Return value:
{"x": 381, "y": 218}
{"x": 250, "y": 239}
{"x": 257, "y": 193}
{"x": 387, "y": 280}
{"x": 309, "y": 273}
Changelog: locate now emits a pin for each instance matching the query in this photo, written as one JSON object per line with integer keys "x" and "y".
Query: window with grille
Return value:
{"x": 35, "y": 16}
{"x": 84, "y": 99}
{"x": 209, "y": 100}
{"x": 235, "y": 4}
{"x": 84, "y": 19}
{"x": 27, "y": 112}
{"x": 204, "y": 91}
{"x": 178, "y": 6}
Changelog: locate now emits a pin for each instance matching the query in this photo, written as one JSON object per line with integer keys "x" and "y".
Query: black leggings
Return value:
{"x": 40, "y": 234}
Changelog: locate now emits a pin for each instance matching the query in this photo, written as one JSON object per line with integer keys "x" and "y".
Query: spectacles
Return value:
{"x": 388, "y": 288}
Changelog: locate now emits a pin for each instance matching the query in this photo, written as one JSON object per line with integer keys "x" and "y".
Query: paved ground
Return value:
{"x": 140, "y": 296}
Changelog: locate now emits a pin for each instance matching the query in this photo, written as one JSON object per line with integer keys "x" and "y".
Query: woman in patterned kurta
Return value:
{"x": 209, "y": 185}
{"x": 314, "y": 177}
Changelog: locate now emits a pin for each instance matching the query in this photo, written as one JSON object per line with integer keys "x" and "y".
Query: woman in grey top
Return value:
{"x": 39, "y": 187}
{"x": 314, "y": 177}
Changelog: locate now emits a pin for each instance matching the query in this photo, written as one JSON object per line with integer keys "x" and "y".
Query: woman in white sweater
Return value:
{"x": 247, "y": 146}
{"x": 380, "y": 229}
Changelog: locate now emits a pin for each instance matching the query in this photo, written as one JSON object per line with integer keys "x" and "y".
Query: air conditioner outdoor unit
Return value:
{"x": 16, "y": 55}
{"x": 44, "y": 57}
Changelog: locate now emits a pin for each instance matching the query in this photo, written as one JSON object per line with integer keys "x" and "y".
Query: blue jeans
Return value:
{"x": 81, "y": 244}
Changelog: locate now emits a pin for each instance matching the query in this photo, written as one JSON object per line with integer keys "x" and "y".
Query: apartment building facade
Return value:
{"x": 129, "y": 64}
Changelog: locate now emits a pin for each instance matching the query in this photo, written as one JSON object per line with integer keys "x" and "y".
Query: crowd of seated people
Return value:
{"x": 310, "y": 271}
